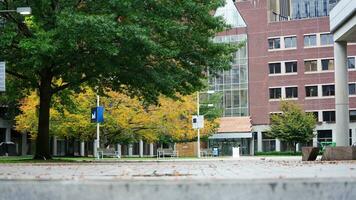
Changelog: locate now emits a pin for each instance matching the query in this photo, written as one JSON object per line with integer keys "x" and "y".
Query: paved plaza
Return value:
{"x": 251, "y": 168}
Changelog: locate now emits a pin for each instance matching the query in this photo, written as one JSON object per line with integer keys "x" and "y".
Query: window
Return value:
{"x": 291, "y": 92}
{"x": 291, "y": 67}
{"x": 326, "y": 39}
{"x": 275, "y": 93}
{"x": 328, "y": 90}
{"x": 325, "y": 136}
{"x": 311, "y": 66}
{"x": 311, "y": 91}
{"x": 352, "y": 89}
{"x": 351, "y": 63}
{"x": 268, "y": 143}
{"x": 274, "y": 43}
{"x": 274, "y": 68}
{"x": 329, "y": 116}
{"x": 352, "y": 115}
{"x": 327, "y": 64}
{"x": 290, "y": 42}
{"x": 309, "y": 40}
{"x": 316, "y": 115}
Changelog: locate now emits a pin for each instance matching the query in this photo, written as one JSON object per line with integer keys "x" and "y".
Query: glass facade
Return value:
{"x": 285, "y": 10}
{"x": 311, "y": 8}
{"x": 233, "y": 83}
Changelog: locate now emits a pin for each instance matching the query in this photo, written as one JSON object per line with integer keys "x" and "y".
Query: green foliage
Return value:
{"x": 210, "y": 105}
{"x": 293, "y": 125}
{"x": 152, "y": 47}
{"x": 142, "y": 48}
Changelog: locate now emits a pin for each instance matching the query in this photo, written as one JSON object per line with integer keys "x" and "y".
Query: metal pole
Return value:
{"x": 97, "y": 125}
{"x": 198, "y": 141}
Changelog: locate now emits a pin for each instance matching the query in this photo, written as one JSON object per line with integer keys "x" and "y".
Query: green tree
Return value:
{"x": 141, "y": 47}
{"x": 293, "y": 125}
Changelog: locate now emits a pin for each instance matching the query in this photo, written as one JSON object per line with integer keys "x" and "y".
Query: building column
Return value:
{"x": 341, "y": 94}
{"x": 141, "y": 149}
{"x": 130, "y": 150}
{"x": 252, "y": 147}
{"x": 151, "y": 150}
{"x": 95, "y": 150}
{"x": 119, "y": 149}
{"x": 24, "y": 144}
{"x": 82, "y": 148}
{"x": 259, "y": 141}
{"x": 297, "y": 147}
{"x": 54, "y": 146}
{"x": 278, "y": 145}
{"x": 8, "y": 135}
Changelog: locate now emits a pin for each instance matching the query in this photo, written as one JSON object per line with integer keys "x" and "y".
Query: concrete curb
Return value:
{"x": 326, "y": 189}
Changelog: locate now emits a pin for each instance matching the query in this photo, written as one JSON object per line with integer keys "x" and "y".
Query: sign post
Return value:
{"x": 2, "y": 77}
{"x": 97, "y": 116}
{"x": 198, "y": 123}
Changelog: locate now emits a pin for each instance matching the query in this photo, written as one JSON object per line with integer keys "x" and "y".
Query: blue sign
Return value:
{"x": 97, "y": 114}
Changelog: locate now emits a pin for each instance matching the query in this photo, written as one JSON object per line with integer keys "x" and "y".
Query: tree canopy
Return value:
{"x": 144, "y": 48}
{"x": 127, "y": 120}
{"x": 293, "y": 125}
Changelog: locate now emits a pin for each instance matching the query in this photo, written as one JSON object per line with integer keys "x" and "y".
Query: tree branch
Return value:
{"x": 20, "y": 76}
{"x": 67, "y": 85}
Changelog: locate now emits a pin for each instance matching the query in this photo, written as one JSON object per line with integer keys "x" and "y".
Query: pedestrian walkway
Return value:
{"x": 224, "y": 168}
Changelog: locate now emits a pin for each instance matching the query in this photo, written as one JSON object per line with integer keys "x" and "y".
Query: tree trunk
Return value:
{"x": 42, "y": 141}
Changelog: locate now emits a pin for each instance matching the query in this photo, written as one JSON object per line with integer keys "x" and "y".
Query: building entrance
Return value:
{"x": 225, "y": 145}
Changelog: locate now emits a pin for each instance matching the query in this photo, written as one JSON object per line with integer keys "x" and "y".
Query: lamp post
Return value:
{"x": 198, "y": 114}
{"x": 20, "y": 10}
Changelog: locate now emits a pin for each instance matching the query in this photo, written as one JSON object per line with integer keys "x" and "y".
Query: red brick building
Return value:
{"x": 289, "y": 56}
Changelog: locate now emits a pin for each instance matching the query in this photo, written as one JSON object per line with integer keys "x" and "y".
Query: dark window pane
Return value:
{"x": 275, "y": 93}
{"x": 274, "y": 68}
{"x": 329, "y": 116}
{"x": 328, "y": 90}
{"x": 352, "y": 115}
{"x": 274, "y": 43}
{"x": 327, "y": 64}
{"x": 351, "y": 63}
{"x": 352, "y": 89}
{"x": 311, "y": 91}
{"x": 291, "y": 67}
{"x": 292, "y": 92}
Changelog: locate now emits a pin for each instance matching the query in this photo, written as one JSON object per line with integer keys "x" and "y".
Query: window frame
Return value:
{"x": 329, "y": 91}
{"x": 294, "y": 92}
{"x": 274, "y": 64}
{"x": 330, "y": 63}
{"x": 354, "y": 89}
{"x": 294, "y": 67}
{"x": 331, "y": 116}
{"x": 308, "y": 43}
{"x": 329, "y": 43}
{"x": 306, "y": 91}
{"x": 350, "y": 64}
{"x": 274, "y": 93}
{"x": 274, "y": 43}
{"x": 293, "y": 40}
{"x": 316, "y": 66}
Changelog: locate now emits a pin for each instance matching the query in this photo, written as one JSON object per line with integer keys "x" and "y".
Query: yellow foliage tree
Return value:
{"x": 127, "y": 120}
